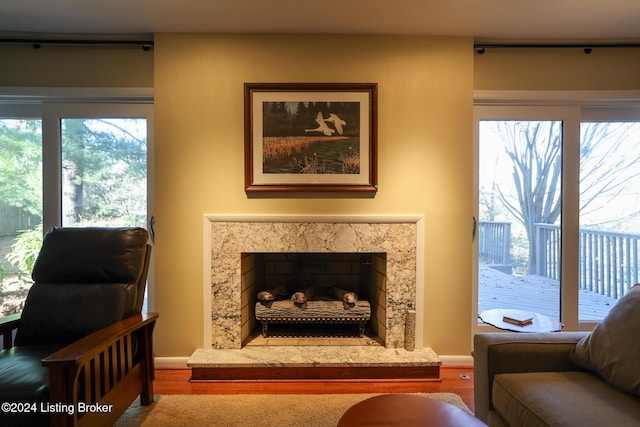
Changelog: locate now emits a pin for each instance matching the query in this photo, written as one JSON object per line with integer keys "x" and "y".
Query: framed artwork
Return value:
{"x": 310, "y": 137}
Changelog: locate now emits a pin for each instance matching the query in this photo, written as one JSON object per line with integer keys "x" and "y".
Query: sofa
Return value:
{"x": 563, "y": 378}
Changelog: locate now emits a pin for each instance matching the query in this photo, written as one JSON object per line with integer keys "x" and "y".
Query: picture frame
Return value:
{"x": 310, "y": 137}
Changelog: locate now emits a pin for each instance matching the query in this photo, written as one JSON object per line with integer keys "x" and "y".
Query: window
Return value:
{"x": 609, "y": 210}
{"x": 103, "y": 163}
{"x": 20, "y": 207}
{"x": 519, "y": 213}
{"x": 558, "y": 199}
{"x": 71, "y": 164}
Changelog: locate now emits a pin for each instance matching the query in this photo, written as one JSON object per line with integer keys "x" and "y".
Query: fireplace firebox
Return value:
{"x": 314, "y": 294}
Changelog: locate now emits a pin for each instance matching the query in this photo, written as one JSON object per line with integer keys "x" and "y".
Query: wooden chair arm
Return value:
{"x": 109, "y": 367}
{"x": 7, "y": 326}
{"x": 93, "y": 344}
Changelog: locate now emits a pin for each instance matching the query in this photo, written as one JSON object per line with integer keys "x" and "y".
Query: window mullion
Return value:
{"x": 51, "y": 169}
{"x": 570, "y": 219}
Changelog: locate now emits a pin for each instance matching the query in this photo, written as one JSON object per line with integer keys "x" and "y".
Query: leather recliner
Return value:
{"x": 85, "y": 279}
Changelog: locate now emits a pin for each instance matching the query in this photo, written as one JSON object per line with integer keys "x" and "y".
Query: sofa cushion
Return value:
{"x": 612, "y": 350}
{"x": 575, "y": 398}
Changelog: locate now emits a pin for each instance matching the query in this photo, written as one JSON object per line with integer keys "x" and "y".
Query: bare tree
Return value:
{"x": 609, "y": 165}
{"x": 534, "y": 148}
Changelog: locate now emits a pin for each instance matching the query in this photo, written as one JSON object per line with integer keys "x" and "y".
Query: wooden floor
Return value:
{"x": 176, "y": 381}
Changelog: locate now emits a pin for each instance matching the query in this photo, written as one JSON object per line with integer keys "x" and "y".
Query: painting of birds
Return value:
{"x": 322, "y": 126}
{"x": 338, "y": 123}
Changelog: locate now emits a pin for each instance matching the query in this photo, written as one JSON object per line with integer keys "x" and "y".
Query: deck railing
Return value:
{"x": 547, "y": 247}
{"x": 609, "y": 261}
{"x": 494, "y": 242}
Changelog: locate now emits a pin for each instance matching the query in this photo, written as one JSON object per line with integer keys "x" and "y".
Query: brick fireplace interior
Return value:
{"x": 363, "y": 273}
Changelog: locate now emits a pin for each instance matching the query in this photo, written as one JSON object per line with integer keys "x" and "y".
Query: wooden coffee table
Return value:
{"x": 540, "y": 323}
{"x": 407, "y": 410}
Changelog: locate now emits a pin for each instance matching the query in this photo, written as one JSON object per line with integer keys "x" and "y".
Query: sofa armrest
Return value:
{"x": 109, "y": 367}
{"x": 497, "y": 353}
{"x": 8, "y": 325}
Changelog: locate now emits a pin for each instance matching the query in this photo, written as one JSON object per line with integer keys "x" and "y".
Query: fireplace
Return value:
{"x": 346, "y": 294}
{"x": 380, "y": 256}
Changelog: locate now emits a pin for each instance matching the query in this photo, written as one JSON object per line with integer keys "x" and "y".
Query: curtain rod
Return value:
{"x": 480, "y": 48}
{"x": 37, "y": 43}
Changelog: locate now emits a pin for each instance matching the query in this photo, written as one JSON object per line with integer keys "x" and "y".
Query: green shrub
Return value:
{"x": 25, "y": 250}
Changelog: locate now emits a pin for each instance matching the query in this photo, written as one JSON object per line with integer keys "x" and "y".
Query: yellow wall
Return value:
{"x": 424, "y": 142}
{"x": 557, "y": 69}
{"x": 75, "y": 66}
{"x": 425, "y": 121}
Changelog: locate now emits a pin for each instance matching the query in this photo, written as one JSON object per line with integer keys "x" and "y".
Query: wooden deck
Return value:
{"x": 533, "y": 293}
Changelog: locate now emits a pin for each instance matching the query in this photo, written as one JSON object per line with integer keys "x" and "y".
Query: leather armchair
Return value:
{"x": 81, "y": 351}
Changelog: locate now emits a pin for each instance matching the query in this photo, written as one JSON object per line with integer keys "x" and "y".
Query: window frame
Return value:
{"x": 52, "y": 115}
{"x": 51, "y": 105}
{"x": 572, "y": 107}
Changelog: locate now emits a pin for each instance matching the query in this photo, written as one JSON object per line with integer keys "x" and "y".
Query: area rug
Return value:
{"x": 252, "y": 410}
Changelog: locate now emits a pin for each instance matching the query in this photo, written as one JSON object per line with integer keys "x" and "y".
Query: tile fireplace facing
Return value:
{"x": 375, "y": 255}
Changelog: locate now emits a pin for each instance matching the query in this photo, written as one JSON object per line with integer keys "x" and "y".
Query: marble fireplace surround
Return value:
{"x": 226, "y": 237}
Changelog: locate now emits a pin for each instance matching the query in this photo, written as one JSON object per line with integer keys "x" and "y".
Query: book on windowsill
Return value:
{"x": 519, "y": 322}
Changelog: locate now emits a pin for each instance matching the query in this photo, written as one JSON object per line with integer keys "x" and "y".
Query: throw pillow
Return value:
{"x": 612, "y": 350}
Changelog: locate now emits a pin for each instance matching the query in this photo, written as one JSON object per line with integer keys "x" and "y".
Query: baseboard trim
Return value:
{"x": 171, "y": 362}
{"x": 458, "y": 361}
